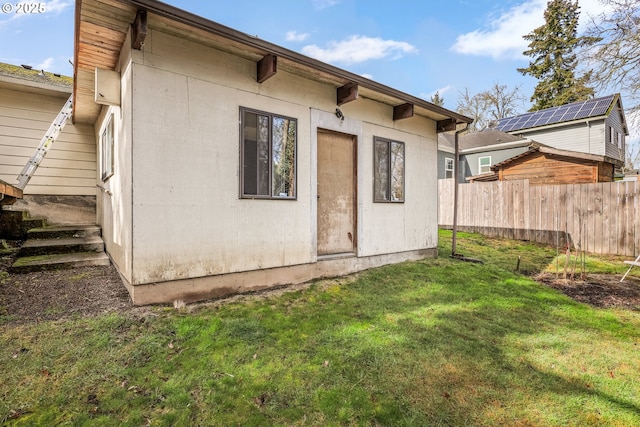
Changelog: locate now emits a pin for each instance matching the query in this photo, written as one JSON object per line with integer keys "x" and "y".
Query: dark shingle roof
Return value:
{"x": 483, "y": 138}
{"x": 564, "y": 113}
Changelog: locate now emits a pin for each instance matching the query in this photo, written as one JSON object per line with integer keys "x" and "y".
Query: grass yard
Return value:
{"x": 435, "y": 342}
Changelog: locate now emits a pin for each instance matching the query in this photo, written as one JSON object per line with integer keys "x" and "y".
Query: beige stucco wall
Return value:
{"x": 187, "y": 218}
{"x": 114, "y": 198}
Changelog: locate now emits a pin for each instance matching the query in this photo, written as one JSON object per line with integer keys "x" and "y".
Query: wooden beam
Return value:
{"x": 446, "y": 125}
{"x": 139, "y": 30}
{"x": 267, "y": 67}
{"x": 403, "y": 111}
{"x": 347, "y": 93}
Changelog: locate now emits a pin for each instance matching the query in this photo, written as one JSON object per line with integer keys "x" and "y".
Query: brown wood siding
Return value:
{"x": 541, "y": 168}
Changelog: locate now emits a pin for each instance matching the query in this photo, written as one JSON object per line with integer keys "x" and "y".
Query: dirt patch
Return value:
{"x": 88, "y": 291}
{"x": 598, "y": 290}
{"x": 52, "y": 295}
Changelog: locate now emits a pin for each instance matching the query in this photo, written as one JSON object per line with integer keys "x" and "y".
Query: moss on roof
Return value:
{"x": 34, "y": 75}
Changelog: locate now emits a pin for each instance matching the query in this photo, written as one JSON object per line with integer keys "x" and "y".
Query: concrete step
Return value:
{"x": 34, "y": 247}
{"x": 29, "y": 223}
{"x": 59, "y": 261}
{"x": 64, "y": 232}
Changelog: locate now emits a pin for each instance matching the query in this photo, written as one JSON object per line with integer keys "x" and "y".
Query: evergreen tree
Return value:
{"x": 553, "y": 49}
{"x": 437, "y": 99}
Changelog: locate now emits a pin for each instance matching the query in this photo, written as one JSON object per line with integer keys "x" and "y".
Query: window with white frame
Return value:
{"x": 484, "y": 164}
{"x": 106, "y": 142}
{"x": 388, "y": 170}
{"x": 268, "y": 155}
{"x": 448, "y": 167}
{"x": 620, "y": 141}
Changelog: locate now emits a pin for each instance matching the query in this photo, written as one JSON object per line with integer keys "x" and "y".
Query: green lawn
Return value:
{"x": 435, "y": 342}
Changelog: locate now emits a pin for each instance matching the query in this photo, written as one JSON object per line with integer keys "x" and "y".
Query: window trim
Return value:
{"x": 480, "y": 164}
{"x": 447, "y": 169}
{"x": 107, "y": 148}
{"x": 270, "y": 196}
{"x": 389, "y": 141}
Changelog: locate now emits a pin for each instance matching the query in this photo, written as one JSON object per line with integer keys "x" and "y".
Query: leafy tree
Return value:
{"x": 615, "y": 55}
{"x": 490, "y": 105}
{"x": 437, "y": 99}
{"x": 553, "y": 49}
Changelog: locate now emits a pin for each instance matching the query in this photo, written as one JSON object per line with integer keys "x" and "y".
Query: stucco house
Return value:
{"x": 229, "y": 164}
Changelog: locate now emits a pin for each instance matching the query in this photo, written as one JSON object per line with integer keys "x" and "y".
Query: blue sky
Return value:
{"x": 417, "y": 46}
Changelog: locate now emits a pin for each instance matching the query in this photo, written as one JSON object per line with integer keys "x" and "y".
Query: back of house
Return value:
{"x": 229, "y": 164}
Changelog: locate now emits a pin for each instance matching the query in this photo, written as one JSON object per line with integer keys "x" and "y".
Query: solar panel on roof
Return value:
{"x": 563, "y": 113}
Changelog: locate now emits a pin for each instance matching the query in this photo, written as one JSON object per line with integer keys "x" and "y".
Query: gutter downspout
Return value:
{"x": 456, "y": 181}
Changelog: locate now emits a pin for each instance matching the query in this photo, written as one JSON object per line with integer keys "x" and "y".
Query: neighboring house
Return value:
{"x": 478, "y": 151}
{"x": 597, "y": 126}
{"x": 230, "y": 164}
{"x": 546, "y": 165}
{"x": 63, "y": 188}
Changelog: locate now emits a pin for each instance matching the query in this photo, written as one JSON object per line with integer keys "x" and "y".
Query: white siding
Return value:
{"x": 70, "y": 165}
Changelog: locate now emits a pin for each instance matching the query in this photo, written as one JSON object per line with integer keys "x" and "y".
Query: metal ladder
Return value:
{"x": 46, "y": 142}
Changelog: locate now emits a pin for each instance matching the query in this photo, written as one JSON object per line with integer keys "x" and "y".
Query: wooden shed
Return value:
{"x": 546, "y": 165}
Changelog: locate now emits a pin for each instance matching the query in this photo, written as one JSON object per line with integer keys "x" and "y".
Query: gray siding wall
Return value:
{"x": 612, "y": 149}
{"x": 442, "y": 155}
{"x": 581, "y": 137}
{"x": 471, "y": 161}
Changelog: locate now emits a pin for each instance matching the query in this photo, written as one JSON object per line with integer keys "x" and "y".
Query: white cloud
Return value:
{"x": 294, "y": 36}
{"x": 503, "y": 37}
{"x": 357, "y": 49}
{"x": 47, "y": 64}
{"x": 367, "y": 76}
{"x": 323, "y": 4}
{"x": 57, "y": 6}
{"x": 441, "y": 91}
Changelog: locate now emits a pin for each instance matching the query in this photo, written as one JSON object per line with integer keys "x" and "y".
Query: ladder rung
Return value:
{"x": 45, "y": 143}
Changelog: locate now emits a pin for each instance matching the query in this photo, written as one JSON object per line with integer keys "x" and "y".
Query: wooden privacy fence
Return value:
{"x": 598, "y": 218}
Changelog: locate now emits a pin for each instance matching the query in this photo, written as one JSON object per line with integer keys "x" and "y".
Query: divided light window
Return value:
{"x": 448, "y": 167}
{"x": 268, "y": 155}
{"x": 106, "y": 159}
{"x": 484, "y": 164}
{"x": 388, "y": 170}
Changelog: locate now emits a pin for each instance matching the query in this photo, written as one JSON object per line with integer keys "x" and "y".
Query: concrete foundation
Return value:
{"x": 202, "y": 288}
{"x": 58, "y": 209}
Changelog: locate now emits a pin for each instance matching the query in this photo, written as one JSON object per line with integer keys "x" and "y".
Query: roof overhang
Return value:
{"x": 101, "y": 27}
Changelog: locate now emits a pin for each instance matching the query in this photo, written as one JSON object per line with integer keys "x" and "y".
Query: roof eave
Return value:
{"x": 188, "y": 18}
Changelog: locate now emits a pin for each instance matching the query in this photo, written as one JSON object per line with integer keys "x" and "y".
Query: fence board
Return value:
{"x": 597, "y": 218}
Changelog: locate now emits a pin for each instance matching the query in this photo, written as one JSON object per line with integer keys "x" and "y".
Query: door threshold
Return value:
{"x": 336, "y": 256}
